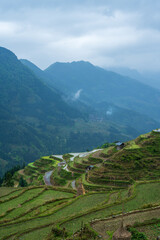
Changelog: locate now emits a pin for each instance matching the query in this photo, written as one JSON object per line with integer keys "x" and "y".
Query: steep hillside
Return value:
{"x": 113, "y": 167}
{"x": 36, "y": 121}
{"x": 87, "y": 195}
{"x": 137, "y": 160}
{"x": 40, "y": 74}
{"x": 30, "y": 113}
{"x": 100, "y": 85}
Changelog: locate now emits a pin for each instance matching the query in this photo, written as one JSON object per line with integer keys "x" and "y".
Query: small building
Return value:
{"x": 119, "y": 145}
{"x": 121, "y": 234}
{"x": 89, "y": 167}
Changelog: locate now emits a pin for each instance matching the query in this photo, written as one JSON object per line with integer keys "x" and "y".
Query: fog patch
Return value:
{"x": 77, "y": 94}
{"x": 109, "y": 112}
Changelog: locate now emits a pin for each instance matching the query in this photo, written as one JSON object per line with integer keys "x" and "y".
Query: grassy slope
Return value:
{"x": 38, "y": 207}
{"x": 146, "y": 193}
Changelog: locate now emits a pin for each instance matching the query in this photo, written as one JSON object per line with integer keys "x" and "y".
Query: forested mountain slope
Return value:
{"x": 97, "y": 108}
{"x": 36, "y": 121}
{"x": 101, "y": 85}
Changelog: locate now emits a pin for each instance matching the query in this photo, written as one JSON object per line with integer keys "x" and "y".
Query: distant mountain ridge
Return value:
{"x": 150, "y": 78}
{"x": 100, "y": 85}
{"x": 68, "y": 84}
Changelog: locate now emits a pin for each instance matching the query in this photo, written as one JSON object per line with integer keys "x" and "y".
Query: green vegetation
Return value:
{"x": 6, "y": 191}
{"x": 132, "y": 145}
{"x": 41, "y": 210}
{"x": 115, "y": 208}
{"x": 42, "y": 123}
{"x": 137, "y": 235}
{"x": 110, "y": 182}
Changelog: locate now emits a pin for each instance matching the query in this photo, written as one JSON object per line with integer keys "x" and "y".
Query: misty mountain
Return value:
{"x": 36, "y": 121}
{"x": 30, "y": 113}
{"x": 99, "y": 110}
{"x": 127, "y": 72}
{"x": 100, "y": 85}
{"x": 40, "y": 74}
{"x": 103, "y": 111}
{"x": 147, "y": 77}
{"x": 126, "y": 117}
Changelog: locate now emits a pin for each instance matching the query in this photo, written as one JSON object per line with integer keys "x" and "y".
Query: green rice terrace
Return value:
{"x": 86, "y": 195}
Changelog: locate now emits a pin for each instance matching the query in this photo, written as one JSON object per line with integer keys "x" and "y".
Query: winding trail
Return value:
{"x": 58, "y": 156}
{"x": 73, "y": 183}
{"x": 47, "y": 177}
{"x": 66, "y": 168}
{"x": 74, "y": 155}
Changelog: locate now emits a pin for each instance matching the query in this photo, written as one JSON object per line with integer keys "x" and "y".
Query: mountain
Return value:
{"x": 112, "y": 113}
{"x": 35, "y": 120}
{"x": 97, "y": 110}
{"x": 40, "y": 74}
{"x": 30, "y": 113}
{"x": 124, "y": 71}
{"x": 100, "y": 85}
{"x": 151, "y": 78}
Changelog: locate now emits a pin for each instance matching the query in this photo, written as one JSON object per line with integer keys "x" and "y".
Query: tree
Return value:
{"x": 22, "y": 182}
{"x": 8, "y": 180}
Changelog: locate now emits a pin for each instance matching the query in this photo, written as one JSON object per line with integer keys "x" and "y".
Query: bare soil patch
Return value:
{"x": 113, "y": 224}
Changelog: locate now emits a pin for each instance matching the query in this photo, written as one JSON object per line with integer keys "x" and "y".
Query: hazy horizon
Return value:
{"x": 107, "y": 34}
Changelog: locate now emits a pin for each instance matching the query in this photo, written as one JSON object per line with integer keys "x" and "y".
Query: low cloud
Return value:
{"x": 77, "y": 94}
{"x": 109, "y": 112}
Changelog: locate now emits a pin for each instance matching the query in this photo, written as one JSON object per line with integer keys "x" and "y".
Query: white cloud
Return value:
{"x": 106, "y": 33}
{"x": 77, "y": 94}
{"x": 7, "y": 28}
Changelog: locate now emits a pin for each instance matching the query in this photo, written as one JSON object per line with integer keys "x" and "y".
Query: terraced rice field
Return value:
{"x": 151, "y": 231}
{"x": 145, "y": 194}
{"x": 34, "y": 211}
{"x": 47, "y": 205}
{"x": 112, "y": 224}
{"x": 117, "y": 180}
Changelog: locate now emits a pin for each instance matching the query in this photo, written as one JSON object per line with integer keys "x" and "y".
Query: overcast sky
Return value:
{"x": 105, "y": 32}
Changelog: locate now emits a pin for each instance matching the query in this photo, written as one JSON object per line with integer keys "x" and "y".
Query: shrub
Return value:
{"x": 22, "y": 182}
{"x": 59, "y": 181}
{"x": 136, "y": 235}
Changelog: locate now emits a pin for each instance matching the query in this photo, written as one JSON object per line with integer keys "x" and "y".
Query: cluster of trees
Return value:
{"x": 7, "y": 179}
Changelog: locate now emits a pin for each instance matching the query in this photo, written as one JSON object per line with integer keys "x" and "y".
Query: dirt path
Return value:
{"x": 97, "y": 155}
{"x": 48, "y": 174}
{"x": 113, "y": 224}
{"x": 73, "y": 184}
{"x": 21, "y": 171}
{"x": 58, "y": 156}
{"x": 47, "y": 178}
